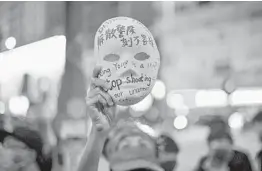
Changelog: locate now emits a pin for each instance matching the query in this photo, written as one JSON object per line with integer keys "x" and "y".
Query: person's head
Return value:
{"x": 19, "y": 153}
{"x": 128, "y": 148}
{"x": 257, "y": 122}
{"x": 167, "y": 152}
{"x": 220, "y": 140}
{"x": 23, "y": 149}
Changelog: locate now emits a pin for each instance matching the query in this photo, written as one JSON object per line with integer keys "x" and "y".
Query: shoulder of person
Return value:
{"x": 239, "y": 158}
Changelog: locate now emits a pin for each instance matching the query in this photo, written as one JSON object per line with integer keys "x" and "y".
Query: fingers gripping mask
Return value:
{"x": 129, "y": 57}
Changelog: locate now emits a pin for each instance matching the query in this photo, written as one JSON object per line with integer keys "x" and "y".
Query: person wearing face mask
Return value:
{"x": 123, "y": 148}
{"x": 21, "y": 150}
{"x": 129, "y": 148}
{"x": 257, "y": 121}
{"x": 222, "y": 156}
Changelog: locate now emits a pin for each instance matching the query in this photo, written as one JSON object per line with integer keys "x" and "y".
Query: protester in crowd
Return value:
{"x": 222, "y": 156}
{"x": 167, "y": 152}
{"x": 21, "y": 150}
{"x": 103, "y": 117}
{"x": 129, "y": 148}
{"x": 257, "y": 120}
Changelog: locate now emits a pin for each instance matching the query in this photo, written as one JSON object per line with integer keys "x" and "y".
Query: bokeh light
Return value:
{"x": 10, "y": 43}
{"x": 236, "y": 121}
{"x": 246, "y": 97}
{"x": 2, "y": 107}
{"x": 159, "y": 90}
{"x": 180, "y": 122}
{"x": 19, "y": 105}
{"x": 211, "y": 98}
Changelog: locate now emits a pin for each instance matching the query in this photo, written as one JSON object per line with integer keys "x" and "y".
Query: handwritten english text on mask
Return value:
{"x": 129, "y": 80}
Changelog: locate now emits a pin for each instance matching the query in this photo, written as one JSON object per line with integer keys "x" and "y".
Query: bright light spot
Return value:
{"x": 19, "y": 105}
{"x": 146, "y": 129}
{"x": 180, "y": 122}
{"x": 246, "y": 97}
{"x": 175, "y": 100}
{"x": 2, "y": 108}
{"x": 182, "y": 110}
{"x": 159, "y": 90}
{"x": 10, "y": 43}
{"x": 211, "y": 98}
{"x": 143, "y": 105}
{"x": 236, "y": 121}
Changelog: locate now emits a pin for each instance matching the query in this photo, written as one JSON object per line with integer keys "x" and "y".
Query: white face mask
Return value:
{"x": 130, "y": 59}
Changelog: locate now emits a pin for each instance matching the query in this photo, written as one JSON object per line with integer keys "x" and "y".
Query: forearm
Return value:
{"x": 92, "y": 152}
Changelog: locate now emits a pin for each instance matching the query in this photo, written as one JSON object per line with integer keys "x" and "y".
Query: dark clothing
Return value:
{"x": 259, "y": 158}
{"x": 34, "y": 141}
{"x": 239, "y": 162}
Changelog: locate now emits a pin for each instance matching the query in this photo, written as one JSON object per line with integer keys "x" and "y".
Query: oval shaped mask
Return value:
{"x": 129, "y": 57}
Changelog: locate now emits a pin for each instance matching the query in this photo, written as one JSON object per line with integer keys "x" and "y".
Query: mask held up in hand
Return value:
{"x": 129, "y": 57}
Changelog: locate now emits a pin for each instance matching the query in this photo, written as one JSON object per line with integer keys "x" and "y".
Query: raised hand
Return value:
{"x": 103, "y": 108}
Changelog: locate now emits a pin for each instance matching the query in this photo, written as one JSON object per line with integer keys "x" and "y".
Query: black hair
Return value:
{"x": 168, "y": 142}
{"x": 33, "y": 141}
{"x": 258, "y": 117}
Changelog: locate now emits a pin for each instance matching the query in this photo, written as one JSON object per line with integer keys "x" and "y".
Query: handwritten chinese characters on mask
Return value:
{"x": 126, "y": 34}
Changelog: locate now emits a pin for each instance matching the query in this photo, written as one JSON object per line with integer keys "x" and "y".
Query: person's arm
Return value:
{"x": 102, "y": 113}
{"x": 92, "y": 152}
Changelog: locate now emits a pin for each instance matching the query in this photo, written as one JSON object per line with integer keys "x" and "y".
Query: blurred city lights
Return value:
{"x": 10, "y": 43}
{"x": 246, "y": 97}
{"x": 19, "y": 105}
{"x": 236, "y": 121}
{"x": 175, "y": 100}
{"x": 2, "y": 107}
{"x": 159, "y": 90}
{"x": 211, "y": 98}
{"x": 180, "y": 122}
{"x": 182, "y": 110}
{"x": 143, "y": 105}
{"x": 33, "y": 59}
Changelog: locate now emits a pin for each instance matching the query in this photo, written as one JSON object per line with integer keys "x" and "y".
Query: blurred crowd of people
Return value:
{"x": 126, "y": 147}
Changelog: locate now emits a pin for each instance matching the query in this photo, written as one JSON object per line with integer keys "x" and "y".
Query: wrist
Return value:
{"x": 99, "y": 135}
